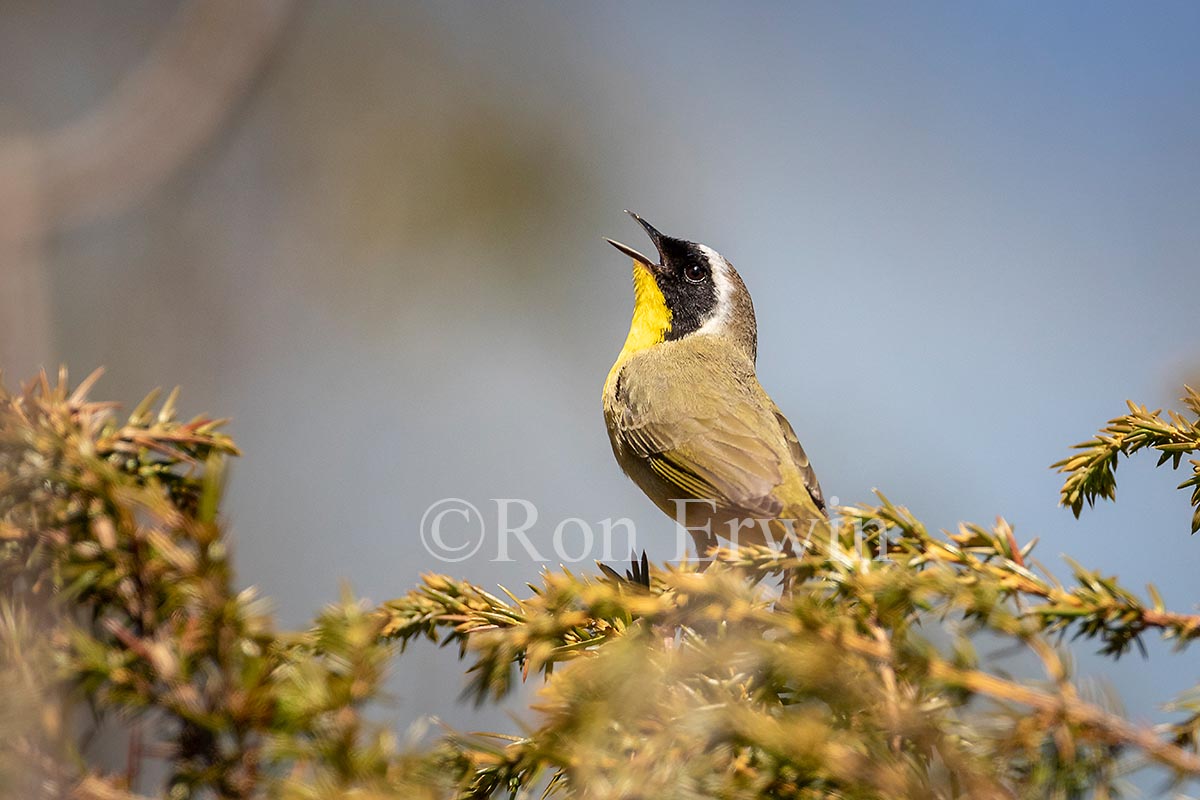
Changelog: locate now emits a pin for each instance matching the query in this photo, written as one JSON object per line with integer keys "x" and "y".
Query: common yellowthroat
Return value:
{"x": 687, "y": 418}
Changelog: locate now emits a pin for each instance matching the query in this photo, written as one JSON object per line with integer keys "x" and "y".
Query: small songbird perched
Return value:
{"x": 687, "y": 418}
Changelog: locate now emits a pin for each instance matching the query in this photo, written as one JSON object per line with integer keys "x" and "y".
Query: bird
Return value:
{"x": 689, "y": 422}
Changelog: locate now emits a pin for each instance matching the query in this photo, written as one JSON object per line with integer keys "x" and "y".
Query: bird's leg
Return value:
{"x": 705, "y": 541}
{"x": 787, "y": 581}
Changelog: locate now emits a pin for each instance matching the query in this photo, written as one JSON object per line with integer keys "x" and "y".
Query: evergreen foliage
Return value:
{"x": 860, "y": 678}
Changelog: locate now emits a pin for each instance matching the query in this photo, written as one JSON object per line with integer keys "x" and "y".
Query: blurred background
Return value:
{"x": 370, "y": 233}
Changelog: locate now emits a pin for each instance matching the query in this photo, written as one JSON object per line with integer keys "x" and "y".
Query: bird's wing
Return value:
{"x": 800, "y": 458}
{"x": 707, "y": 444}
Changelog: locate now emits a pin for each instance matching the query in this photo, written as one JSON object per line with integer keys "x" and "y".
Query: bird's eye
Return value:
{"x": 695, "y": 273}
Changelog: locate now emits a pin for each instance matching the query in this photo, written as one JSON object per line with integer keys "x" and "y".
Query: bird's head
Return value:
{"x": 688, "y": 290}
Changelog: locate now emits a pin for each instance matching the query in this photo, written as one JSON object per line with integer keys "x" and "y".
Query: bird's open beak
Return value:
{"x": 655, "y": 237}
{"x": 629, "y": 251}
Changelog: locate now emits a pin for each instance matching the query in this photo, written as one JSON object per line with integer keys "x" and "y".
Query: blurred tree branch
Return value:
{"x": 98, "y": 166}
{"x": 24, "y": 291}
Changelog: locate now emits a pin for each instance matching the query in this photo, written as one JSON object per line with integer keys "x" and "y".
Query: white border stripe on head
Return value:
{"x": 719, "y": 268}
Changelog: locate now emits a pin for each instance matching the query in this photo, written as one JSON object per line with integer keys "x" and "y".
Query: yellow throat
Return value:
{"x": 651, "y": 318}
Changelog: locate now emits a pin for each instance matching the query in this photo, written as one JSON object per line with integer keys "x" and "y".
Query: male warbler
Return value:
{"x": 687, "y": 418}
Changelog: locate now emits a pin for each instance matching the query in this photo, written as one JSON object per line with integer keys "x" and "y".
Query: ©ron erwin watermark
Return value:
{"x": 511, "y": 529}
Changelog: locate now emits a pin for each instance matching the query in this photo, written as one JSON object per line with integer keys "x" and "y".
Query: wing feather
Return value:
{"x": 801, "y": 459}
{"x": 707, "y": 444}
{"x": 704, "y": 426}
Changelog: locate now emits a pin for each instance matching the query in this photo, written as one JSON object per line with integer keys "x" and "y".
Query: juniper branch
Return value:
{"x": 1091, "y": 472}
{"x": 702, "y": 684}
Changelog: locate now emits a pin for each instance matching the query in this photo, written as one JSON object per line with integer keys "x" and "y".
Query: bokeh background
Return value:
{"x": 370, "y": 233}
